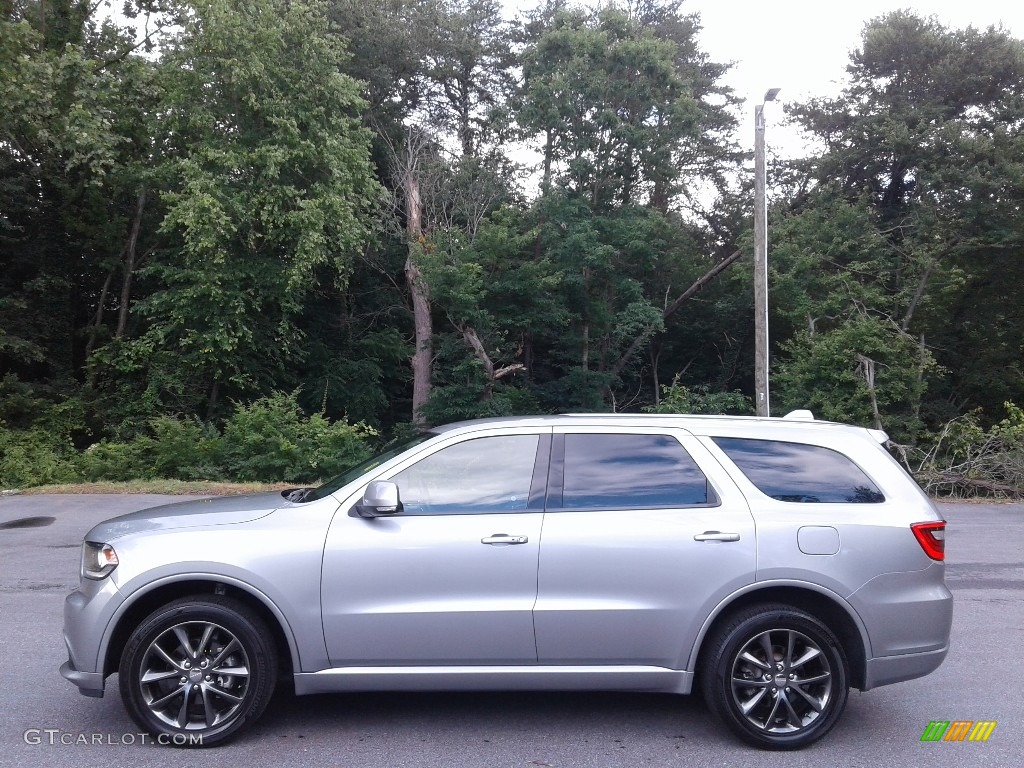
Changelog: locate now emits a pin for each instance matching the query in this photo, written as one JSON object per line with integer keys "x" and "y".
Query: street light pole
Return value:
{"x": 761, "y": 401}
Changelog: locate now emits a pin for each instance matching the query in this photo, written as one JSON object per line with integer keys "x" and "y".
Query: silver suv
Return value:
{"x": 777, "y": 562}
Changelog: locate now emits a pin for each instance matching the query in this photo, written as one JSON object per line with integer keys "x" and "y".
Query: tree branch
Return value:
{"x": 918, "y": 294}
{"x": 128, "y": 52}
{"x": 685, "y": 296}
{"x": 471, "y": 337}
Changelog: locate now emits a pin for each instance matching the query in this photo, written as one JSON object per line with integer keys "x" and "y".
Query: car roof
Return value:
{"x": 795, "y": 421}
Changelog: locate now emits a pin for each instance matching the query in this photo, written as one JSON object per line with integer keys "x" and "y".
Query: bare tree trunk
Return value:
{"x": 98, "y": 318}
{"x": 659, "y": 196}
{"x": 406, "y": 162}
{"x": 549, "y": 150}
{"x": 129, "y": 265}
{"x": 867, "y": 371}
{"x": 655, "y": 350}
{"x": 423, "y": 357}
{"x": 212, "y": 398}
{"x": 465, "y": 118}
{"x": 493, "y": 374}
{"x": 922, "y": 361}
{"x": 918, "y": 294}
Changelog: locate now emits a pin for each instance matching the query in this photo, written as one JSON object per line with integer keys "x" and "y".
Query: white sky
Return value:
{"x": 803, "y": 46}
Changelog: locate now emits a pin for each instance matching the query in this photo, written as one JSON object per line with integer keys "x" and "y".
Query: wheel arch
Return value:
{"x": 145, "y": 601}
{"x": 824, "y": 605}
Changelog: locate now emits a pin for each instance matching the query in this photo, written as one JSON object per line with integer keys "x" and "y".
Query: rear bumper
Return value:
{"x": 908, "y": 614}
{"x": 89, "y": 683}
{"x": 896, "y": 669}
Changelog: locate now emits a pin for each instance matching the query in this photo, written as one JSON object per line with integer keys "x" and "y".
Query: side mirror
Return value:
{"x": 379, "y": 499}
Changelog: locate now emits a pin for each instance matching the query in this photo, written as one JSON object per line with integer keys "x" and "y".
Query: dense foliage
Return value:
{"x": 234, "y": 232}
{"x": 269, "y": 440}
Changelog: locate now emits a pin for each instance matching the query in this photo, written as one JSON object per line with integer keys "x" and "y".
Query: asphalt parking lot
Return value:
{"x": 45, "y": 722}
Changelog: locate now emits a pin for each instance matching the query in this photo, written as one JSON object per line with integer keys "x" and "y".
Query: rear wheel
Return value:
{"x": 776, "y": 676}
{"x": 198, "y": 671}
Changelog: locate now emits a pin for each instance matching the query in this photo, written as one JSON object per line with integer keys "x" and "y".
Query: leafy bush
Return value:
{"x": 867, "y": 371}
{"x": 679, "y": 399}
{"x": 36, "y": 430}
{"x": 455, "y": 403}
{"x": 329, "y": 449}
{"x": 179, "y": 449}
{"x": 35, "y": 457}
{"x": 271, "y": 440}
{"x": 184, "y": 449}
{"x": 114, "y": 461}
{"x": 268, "y": 440}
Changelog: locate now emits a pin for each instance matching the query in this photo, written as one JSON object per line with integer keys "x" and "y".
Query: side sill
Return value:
{"x": 483, "y": 678}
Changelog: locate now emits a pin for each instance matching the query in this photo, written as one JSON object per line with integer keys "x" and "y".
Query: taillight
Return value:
{"x": 932, "y": 538}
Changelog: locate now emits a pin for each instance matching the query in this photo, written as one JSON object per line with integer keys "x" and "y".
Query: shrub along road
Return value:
{"x": 979, "y": 681}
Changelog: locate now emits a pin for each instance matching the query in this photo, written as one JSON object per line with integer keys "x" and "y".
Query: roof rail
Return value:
{"x": 800, "y": 415}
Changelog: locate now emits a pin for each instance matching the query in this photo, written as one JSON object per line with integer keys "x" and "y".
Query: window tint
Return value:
{"x": 629, "y": 472}
{"x": 489, "y": 474}
{"x": 801, "y": 473}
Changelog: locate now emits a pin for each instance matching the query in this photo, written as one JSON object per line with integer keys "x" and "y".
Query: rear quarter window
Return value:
{"x": 796, "y": 472}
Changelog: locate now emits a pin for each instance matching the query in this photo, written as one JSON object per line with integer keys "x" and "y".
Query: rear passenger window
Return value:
{"x": 800, "y": 473}
{"x": 630, "y": 472}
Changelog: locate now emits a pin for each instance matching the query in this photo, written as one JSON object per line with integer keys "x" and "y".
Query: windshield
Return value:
{"x": 362, "y": 468}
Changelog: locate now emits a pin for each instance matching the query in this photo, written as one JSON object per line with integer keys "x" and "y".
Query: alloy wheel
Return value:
{"x": 194, "y": 676}
{"x": 781, "y": 681}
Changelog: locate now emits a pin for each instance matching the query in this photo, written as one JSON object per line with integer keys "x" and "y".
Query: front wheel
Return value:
{"x": 776, "y": 676}
{"x": 198, "y": 670}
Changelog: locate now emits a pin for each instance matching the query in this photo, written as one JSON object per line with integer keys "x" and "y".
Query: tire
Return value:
{"x": 198, "y": 671}
{"x": 787, "y": 701}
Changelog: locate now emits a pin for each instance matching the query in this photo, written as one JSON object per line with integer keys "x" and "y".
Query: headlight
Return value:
{"x": 98, "y": 560}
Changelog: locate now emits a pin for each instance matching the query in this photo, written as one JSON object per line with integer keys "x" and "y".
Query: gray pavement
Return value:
{"x": 980, "y": 680}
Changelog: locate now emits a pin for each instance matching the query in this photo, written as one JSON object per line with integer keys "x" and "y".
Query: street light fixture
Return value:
{"x": 761, "y": 401}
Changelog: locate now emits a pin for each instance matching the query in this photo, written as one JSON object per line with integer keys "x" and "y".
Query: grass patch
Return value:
{"x": 169, "y": 487}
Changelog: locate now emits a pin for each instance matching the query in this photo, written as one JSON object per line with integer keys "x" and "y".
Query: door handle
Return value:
{"x": 716, "y": 536}
{"x": 504, "y": 538}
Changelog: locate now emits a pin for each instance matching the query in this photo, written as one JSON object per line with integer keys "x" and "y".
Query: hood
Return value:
{"x": 227, "y": 510}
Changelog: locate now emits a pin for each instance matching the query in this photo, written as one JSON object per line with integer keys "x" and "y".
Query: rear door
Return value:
{"x": 644, "y": 534}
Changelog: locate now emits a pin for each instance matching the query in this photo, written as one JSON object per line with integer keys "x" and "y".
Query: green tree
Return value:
{"x": 923, "y": 146}
{"x": 468, "y": 72}
{"x": 497, "y": 300}
{"x": 436, "y": 129}
{"x": 624, "y": 106}
{"x": 609, "y": 103}
{"x": 268, "y": 190}
{"x": 70, "y": 91}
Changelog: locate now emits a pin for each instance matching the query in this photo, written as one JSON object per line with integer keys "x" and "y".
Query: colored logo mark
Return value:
{"x": 958, "y": 730}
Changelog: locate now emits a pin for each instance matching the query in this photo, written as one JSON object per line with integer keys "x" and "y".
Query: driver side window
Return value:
{"x": 488, "y": 474}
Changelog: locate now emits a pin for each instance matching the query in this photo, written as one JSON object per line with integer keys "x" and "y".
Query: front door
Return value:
{"x": 452, "y": 579}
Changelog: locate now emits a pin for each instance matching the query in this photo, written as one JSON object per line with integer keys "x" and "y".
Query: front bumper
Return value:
{"x": 87, "y": 614}
{"x": 89, "y": 683}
